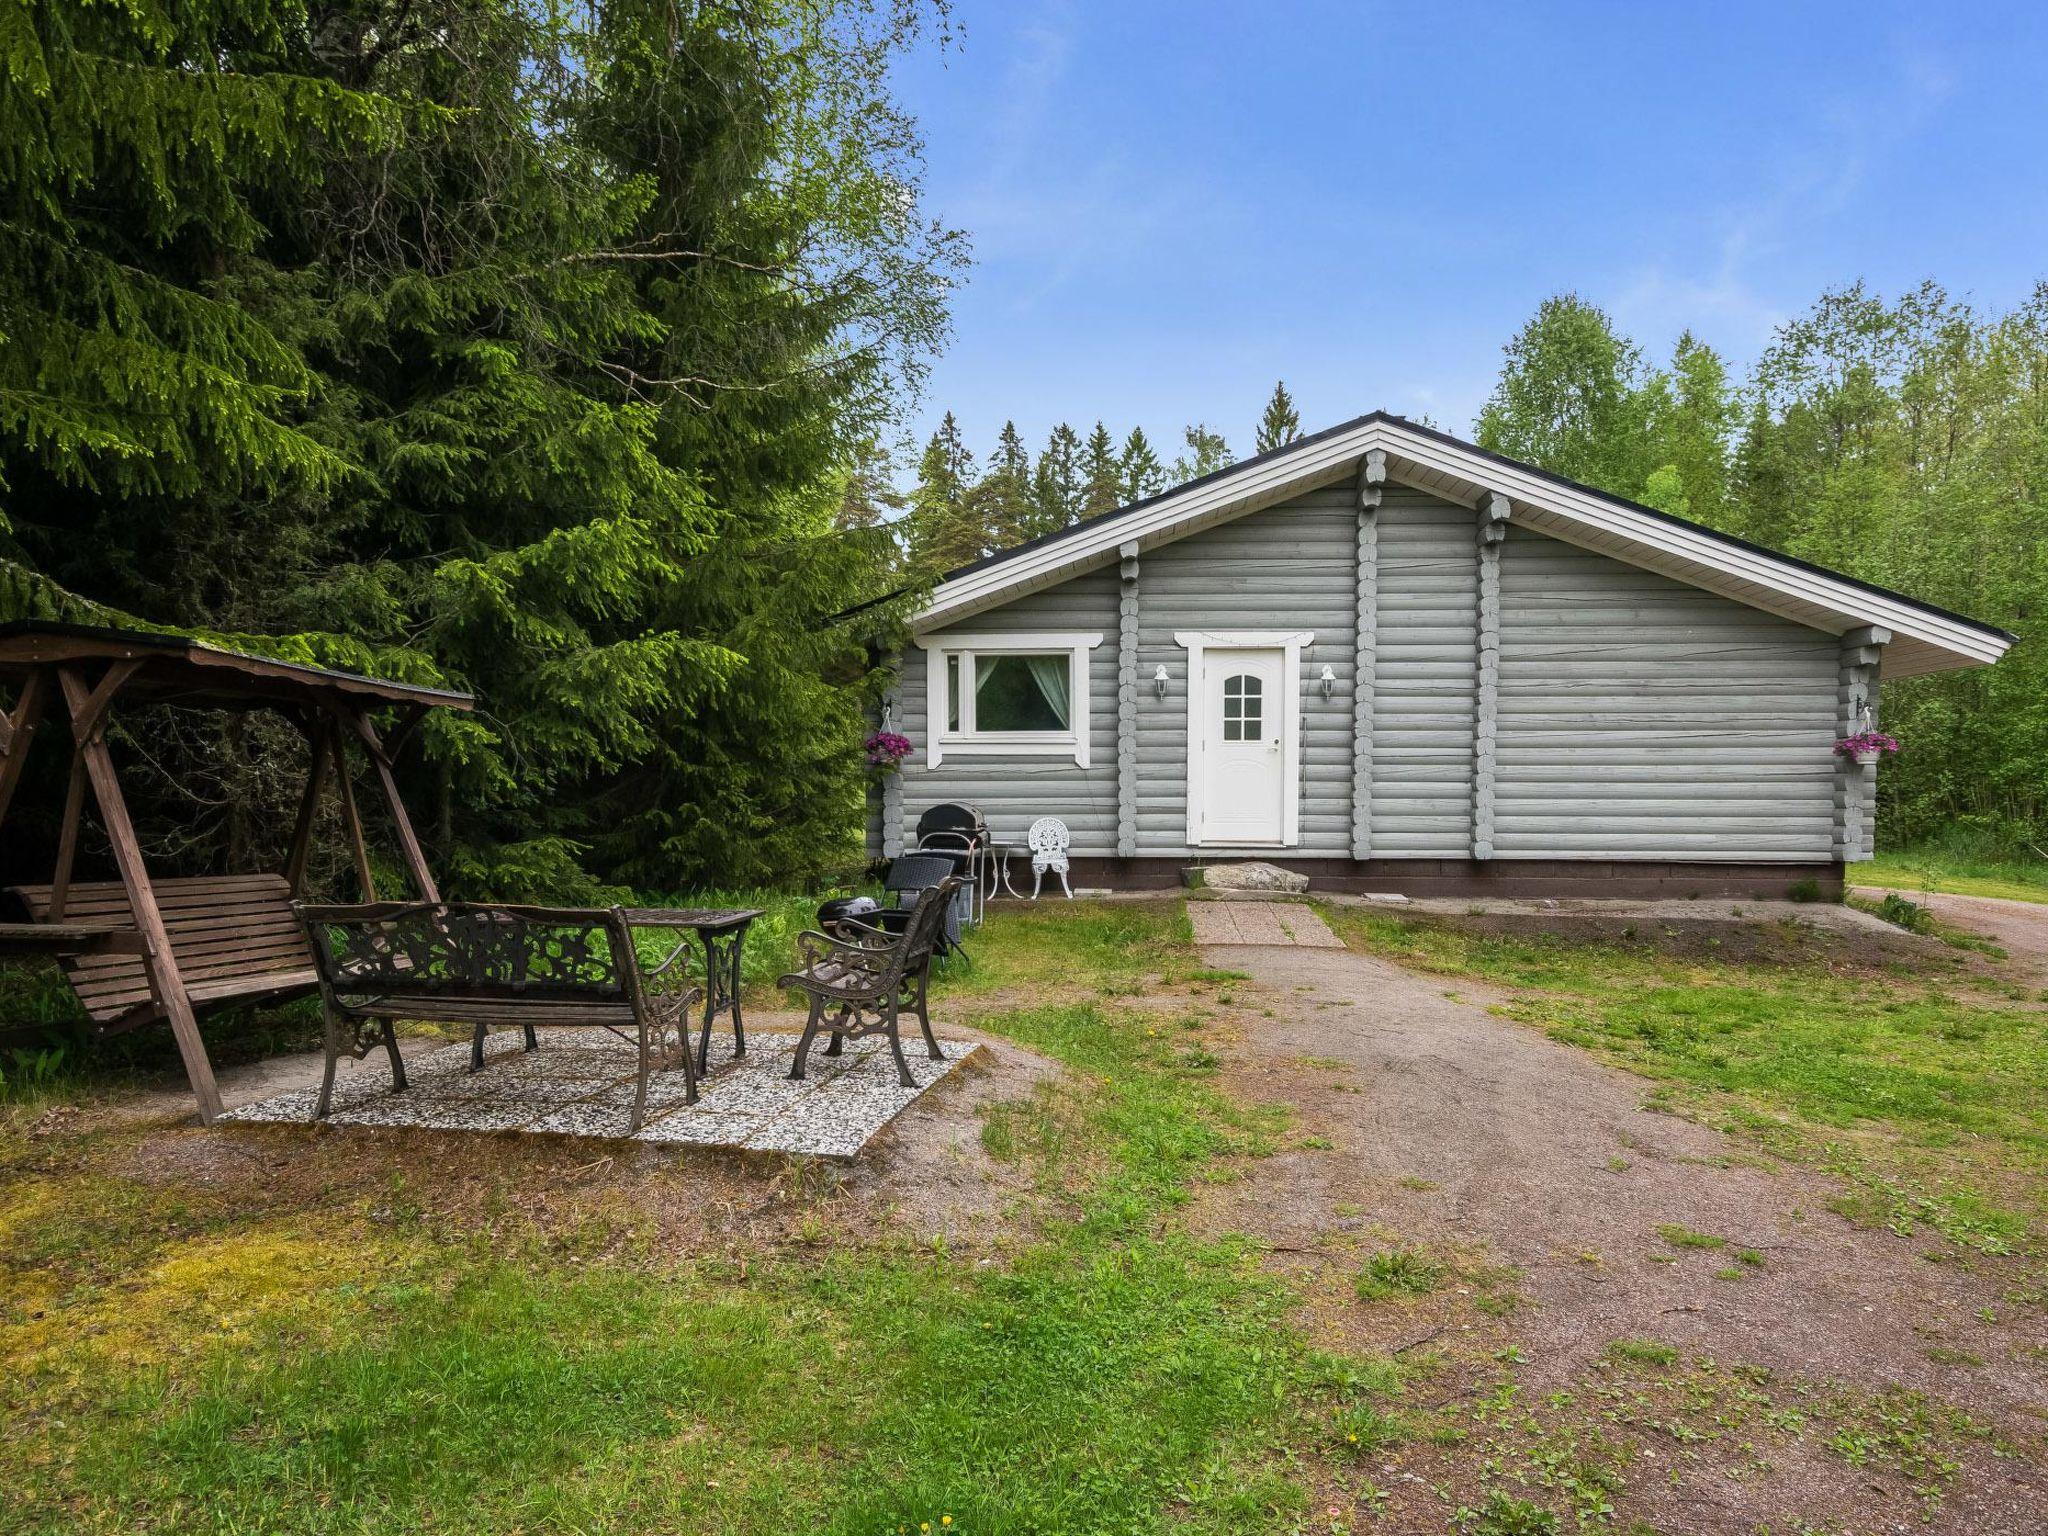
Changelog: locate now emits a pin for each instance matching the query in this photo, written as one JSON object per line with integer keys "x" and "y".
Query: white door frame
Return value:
{"x": 1289, "y": 643}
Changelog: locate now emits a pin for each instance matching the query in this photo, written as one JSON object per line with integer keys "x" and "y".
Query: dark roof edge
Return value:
{"x": 173, "y": 641}
{"x": 1729, "y": 539}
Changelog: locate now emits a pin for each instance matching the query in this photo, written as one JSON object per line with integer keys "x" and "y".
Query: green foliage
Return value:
{"x": 1279, "y": 424}
{"x": 1910, "y": 915}
{"x": 945, "y": 530}
{"x": 1679, "y": 1236}
{"x": 1966, "y": 865}
{"x": 1398, "y": 1272}
{"x": 537, "y": 349}
{"x": 1102, "y": 474}
{"x": 1642, "y": 1352}
{"x": 1506, "y": 1514}
{"x": 1056, "y": 482}
{"x": 1143, "y": 474}
{"x": 1206, "y": 453}
{"x": 1572, "y": 397}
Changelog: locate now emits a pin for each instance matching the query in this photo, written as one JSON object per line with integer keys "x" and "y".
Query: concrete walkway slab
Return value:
{"x": 1260, "y": 922}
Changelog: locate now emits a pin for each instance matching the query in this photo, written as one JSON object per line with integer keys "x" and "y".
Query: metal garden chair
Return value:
{"x": 860, "y": 980}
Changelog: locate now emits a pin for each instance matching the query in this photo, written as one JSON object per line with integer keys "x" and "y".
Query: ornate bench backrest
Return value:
{"x": 927, "y": 922}
{"x": 467, "y": 949}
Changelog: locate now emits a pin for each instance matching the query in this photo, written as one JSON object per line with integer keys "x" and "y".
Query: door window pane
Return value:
{"x": 1243, "y": 706}
{"x": 1022, "y": 693}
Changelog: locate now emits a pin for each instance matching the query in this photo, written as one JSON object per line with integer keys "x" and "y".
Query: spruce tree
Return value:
{"x": 1143, "y": 474}
{"x": 947, "y": 531}
{"x": 1281, "y": 423}
{"x": 524, "y": 347}
{"x": 1056, "y": 482}
{"x": 1102, "y": 478}
{"x": 1007, "y": 513}
{"x": 869, "y": 498}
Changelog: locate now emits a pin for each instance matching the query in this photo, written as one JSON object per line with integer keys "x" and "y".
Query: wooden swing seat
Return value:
{"x": 235, "y": 939}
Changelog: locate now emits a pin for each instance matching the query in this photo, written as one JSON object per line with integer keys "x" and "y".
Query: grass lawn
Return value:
{"x": 351, "y": 1358}
{"x": 1957, "y": 875}
{"x": 1924, "y": 1092}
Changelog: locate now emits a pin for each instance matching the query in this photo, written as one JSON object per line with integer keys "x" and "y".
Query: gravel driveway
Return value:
{"x": 1447, "y": 1125}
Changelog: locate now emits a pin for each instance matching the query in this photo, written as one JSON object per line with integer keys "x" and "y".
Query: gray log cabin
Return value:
{"x": 1394, "y": 661}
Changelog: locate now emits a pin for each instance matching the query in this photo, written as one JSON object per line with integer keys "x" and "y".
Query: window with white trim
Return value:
{"x": 1009, "y": 694}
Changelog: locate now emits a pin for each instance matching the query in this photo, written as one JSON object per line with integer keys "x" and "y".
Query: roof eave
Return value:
{"x": 1929, "y": 639}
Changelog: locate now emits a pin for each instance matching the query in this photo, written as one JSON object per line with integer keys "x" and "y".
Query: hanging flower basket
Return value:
{"x": 1866, "y": 747}
{"x": 886, "y": 751}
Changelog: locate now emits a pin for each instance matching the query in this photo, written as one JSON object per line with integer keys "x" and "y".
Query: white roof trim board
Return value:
{"x": 1923, "y": 638}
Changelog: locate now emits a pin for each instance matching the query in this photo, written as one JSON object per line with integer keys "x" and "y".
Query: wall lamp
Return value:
{"x": 1159, "y": 681}
{"x": 1329, "y": 679}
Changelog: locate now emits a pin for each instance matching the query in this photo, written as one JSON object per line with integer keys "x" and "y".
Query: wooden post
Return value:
{"x": 892, "y": 783}
{"x": 17, "y": 729}
{"x": 352, "y": 817}
{"x": 1126, "y": 702}
{"x": 158, "y": 960}
{"x": 67, "y": 839}
{"x": 1860, "y": 657}
{"x": 1494, "y": 511}
{"x": 1372, "y": 478}
{"x": 309, "y": 805}
{"x": 408, "y": 843}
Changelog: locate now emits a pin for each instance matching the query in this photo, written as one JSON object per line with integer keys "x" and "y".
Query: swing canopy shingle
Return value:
{"x": 179, "y": 669}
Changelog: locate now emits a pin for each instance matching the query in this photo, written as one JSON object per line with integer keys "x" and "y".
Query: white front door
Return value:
{"x": 1242, "y": 764}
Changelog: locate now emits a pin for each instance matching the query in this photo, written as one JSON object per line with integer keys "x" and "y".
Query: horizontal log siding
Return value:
{"x": 1640, "y": 718}
{"x": 1290, "y": 567}
{"x": 1425, "y": 679}
{"x": 1013, "y": 792}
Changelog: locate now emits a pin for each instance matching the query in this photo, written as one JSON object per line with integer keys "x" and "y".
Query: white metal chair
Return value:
{"x": 1048, "y": 842}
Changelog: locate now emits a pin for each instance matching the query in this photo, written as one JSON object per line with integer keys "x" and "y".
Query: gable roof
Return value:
{"x": 1924, "y": 638}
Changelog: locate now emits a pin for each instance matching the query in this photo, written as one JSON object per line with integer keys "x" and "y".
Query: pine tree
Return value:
{"x": 1281, "y": 423}
{"x": 1056, "y": 482}
{"x": 1102, "y": 478}
{"x": 1206, "y": 453}
{"x": 1143, "y": 474}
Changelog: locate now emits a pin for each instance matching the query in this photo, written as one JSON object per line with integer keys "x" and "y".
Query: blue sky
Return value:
{"x": 1174, "y": 204}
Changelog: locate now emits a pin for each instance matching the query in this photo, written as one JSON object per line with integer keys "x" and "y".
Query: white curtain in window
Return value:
{"x": 1050, "y": 674}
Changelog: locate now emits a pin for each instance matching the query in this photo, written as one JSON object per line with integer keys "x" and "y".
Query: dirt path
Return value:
{"x": 2020, "y": 928}
{"x": 1448, "y": 1126}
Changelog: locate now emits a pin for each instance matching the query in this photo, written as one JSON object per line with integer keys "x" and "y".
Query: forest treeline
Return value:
{"x": 960, "y": 512}
{"x": 558, "y": 353}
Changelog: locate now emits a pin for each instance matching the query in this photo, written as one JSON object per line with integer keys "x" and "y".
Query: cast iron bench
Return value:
{"x": 482, "y": 964}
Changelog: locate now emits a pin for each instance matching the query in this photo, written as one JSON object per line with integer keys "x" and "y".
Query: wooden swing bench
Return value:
{"x": 234, "y": 937}
{"x": 140, "y": 949}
